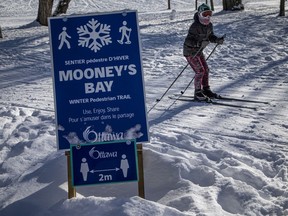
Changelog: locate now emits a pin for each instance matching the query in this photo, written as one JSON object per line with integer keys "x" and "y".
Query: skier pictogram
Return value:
{"x": 126, "y": 32}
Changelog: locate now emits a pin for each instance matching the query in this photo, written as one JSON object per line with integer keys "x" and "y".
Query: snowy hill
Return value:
{"x": 202, "y": 159}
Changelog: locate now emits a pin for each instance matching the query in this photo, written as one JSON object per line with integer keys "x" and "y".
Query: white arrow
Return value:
{"x": 105, "y": 170}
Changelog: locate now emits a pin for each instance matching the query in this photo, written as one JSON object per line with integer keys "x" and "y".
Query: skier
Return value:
{"x": 200, "y": 34}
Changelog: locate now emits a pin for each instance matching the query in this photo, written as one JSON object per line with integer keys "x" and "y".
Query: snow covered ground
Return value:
{"x": 201, "y": 160}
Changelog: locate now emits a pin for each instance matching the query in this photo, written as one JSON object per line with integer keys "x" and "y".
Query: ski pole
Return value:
{"x": 182, "y": 92}
{"x": 214, "y": 48}
{"x": 159, "y": 99}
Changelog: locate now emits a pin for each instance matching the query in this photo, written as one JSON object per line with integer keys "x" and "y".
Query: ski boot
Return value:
{"x": 207, "y": 92}
{"x": 200, "y": 96}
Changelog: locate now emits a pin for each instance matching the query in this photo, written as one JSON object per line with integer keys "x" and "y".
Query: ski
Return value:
{"x": 210, "y": 101}
{"x": 226, "y": 99}
{"x": 241, "y": 100}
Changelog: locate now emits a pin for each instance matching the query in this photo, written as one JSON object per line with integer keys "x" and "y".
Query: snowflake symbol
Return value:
{"x": 94, "y": 35}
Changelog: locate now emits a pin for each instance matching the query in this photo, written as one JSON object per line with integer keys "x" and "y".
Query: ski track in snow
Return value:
{"x": 202, "y": 159}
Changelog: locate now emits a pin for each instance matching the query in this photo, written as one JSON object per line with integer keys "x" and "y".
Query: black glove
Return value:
{"x": 220, "y": 40}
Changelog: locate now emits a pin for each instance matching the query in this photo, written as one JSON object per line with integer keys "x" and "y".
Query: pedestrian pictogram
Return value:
{"x": 63, "y": 37}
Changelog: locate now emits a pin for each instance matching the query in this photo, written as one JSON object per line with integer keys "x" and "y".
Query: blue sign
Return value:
{"x": 109, "y": 162}
{"x": 98, "y": 78}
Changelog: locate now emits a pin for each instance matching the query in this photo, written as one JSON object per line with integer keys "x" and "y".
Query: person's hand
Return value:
{"x": 204, "y": 43}
{"x": 220, "y": 40}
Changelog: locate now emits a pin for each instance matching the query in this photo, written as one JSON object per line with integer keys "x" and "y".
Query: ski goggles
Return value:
{"x": 206, "y": 13}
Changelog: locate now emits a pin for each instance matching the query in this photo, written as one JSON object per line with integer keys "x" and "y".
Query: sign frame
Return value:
{"x": 99, "y": 91}
{"x": 87, "y": 166}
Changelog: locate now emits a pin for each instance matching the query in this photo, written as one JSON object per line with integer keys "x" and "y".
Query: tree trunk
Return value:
{"x": 212, "y": 5}
{"x": 282, "y": 8}
{"x": 1, "y": 36}
{"x": 228, "y": 4}
{"x": 232, "y": 5}
{"x": 44, "y": 11}
{"x": 62, "y": 7}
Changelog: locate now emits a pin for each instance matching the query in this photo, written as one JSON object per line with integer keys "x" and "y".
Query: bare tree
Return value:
{"x": 44, "y": 11}
{"x": 62, "y": 7}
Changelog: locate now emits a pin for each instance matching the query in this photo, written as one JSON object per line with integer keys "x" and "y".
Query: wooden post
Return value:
{"x": 196, "y": 4}
{"x": 169, "y": 5}
{"x": 71, "y": 189}
{"x": 141, "y": 189}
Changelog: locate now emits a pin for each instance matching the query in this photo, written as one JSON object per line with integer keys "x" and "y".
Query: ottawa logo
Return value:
{"x": 95, "y": 154}
{"x": 92, "y": 136}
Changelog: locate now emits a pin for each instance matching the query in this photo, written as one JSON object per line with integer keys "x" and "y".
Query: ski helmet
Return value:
{"x": 204, "y": 13}
{"x": 203, "y": 7}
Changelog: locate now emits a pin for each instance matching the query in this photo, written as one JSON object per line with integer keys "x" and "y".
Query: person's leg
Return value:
{"x": 205, "y": 80}
{"x": 196, "y": 65}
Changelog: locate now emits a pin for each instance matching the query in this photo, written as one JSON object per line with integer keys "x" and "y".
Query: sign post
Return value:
{"x": 99, "y": 97}
{"x": 141, "y": 188}
{"x": 71, "y": 189}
